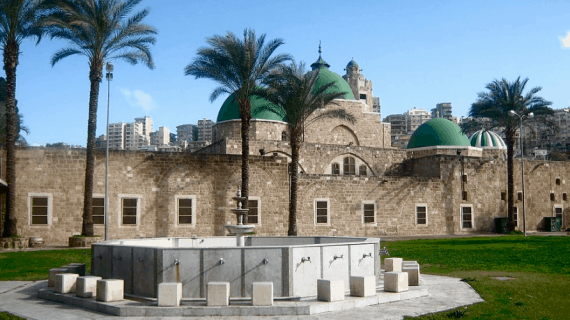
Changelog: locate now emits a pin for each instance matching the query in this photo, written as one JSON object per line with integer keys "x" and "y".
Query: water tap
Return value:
{"x": 176, "y": 262}
{"x": 303, "y": 259}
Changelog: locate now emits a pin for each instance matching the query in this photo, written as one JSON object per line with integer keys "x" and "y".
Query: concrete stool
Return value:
{"x": 362, "y": 286}
{"x": 395, "y": 281}
{"x": 86, "y": 286}
{"x": 65, "y": 282}
{"x": 218, "y": 294}
{"x": 110, "y": 290}
{"x": 52, "y": 273}
{"x": 330, "y": 290}
{"x": 78, "y": 268}
{"x": 393, "y": 264}
{"x": 262, "y": 293}
{"x": 169, "y": 294}
{"x": 413, "y": 272}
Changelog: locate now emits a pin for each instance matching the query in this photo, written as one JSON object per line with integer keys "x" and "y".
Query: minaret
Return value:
{"x": 360, "y": 86}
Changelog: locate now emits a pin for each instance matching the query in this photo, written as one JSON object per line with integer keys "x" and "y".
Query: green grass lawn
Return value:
{"x": 540, "y": 266}
{"x": 35, "y": 265}
{"x": 7, "y": 316}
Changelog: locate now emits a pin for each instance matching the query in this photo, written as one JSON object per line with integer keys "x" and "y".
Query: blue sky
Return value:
{"x": 417, "y": 53}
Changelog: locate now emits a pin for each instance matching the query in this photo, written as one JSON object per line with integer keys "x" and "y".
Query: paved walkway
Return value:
{"x": 445, "y": 293}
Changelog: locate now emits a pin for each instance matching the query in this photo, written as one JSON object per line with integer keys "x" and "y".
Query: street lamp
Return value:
{"x": 109, "y": 76}
{"x": 521, "y": 117}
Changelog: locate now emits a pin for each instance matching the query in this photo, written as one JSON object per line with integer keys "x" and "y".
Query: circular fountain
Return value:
{"x": 240, "y": 229}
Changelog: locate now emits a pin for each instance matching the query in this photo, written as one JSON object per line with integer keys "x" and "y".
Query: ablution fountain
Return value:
{"x": 293, "y": 264}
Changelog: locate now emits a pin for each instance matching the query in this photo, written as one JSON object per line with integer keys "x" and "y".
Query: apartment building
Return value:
{"x": 416, "y": 117}
{"x": 205, "y": 130}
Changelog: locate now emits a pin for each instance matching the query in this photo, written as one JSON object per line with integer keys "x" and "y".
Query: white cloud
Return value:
{"x": 566, "y": 41}
{"x": 138, "y": 98}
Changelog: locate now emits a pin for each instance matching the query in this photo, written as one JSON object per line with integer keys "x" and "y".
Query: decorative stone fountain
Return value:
{"x": 240, "y": 229}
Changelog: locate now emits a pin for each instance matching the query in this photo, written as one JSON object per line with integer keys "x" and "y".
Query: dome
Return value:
{"x": 230, "y": 110}
{"x": 438, "y": 132}
{"x": 352, "y": 63}
{"x": 326, "y": 76}
{"x": 487, "y": 139}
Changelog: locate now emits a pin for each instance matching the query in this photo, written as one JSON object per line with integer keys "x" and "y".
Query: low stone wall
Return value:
{"x": 13, "y": 243}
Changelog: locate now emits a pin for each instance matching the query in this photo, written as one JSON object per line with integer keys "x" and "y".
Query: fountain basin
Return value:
{"x": 293, "y": 264}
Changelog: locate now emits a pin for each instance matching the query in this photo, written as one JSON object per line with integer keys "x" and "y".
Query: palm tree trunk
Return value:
{"x": 295, "y": 146}
{"x": 11, "y": 51}
{"x": 245, "y": 112}
{"x": 94, "y": 77}
{"x": 510, "y": 183}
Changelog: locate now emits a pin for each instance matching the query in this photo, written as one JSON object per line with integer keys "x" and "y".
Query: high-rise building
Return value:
{"x": 160, "y": 137}
{"x": 398, "y": 122}
{"x": 205, "y": 130}
{"x": 443, "y": 110}
{"x": 146, "y": 122}
{"x": 416, "y": 117}
{"x": 117, "y": 136}
{"x": 134, "y": 136}
{"x": 186, "y": 132}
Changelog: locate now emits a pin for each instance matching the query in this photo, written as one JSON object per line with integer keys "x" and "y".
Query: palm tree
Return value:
{"x": 238, "y": 66}
{"x": 19, "y": 20}
{"x": 492, "y": 111}
{"x": 294, "y": 96}
{"x": 20, "y": 127}
{"x": 102, "y": 31}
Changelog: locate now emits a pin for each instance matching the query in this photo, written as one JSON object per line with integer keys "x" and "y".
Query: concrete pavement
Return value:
{"x": 445, "y": 293}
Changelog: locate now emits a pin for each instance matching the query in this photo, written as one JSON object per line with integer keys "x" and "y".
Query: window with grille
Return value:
{"x": 516, "y": 215}
{"x": 362, "y": 170}
{"x": 321, "y": 212}
{"x": 98, "y": 206}
{"x": 349, "y": 168}
{"x": 369, "y": 212}
{"x": 39, "y": 206}
{"x": 284, "y": 136}
{"x": 335, "y": 168}
{"x": 558, "y": 212}
{"x": 467, "y": 217}
{"x": 185, "y": 211}
{"x": 253, "y": 214}
{"x": 129, "y": 211}
{"x": 421, "y": 214}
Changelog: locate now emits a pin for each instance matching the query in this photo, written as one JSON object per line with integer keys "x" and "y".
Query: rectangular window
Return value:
{"x": 129, "y": 210}
{"x": 185, "y": 211}
{"x": 421, "y": 214}
{"x": 565, "y": 197}
{"x": 558, "y": 211}
{"x": 98, "y": 206}
{"x": 464, "y": 195}
{"x": 503, "y": 196}
{"x": 362, "y": 96}
{"x": 464, "y": 177}
{"x": 552, "y": 198}
{"x": 321, "y": 211}
{"x": 467, "y": 217}
{"x": 519, "y": 196}
{"x": 39, "y": 210}
{"x": 253, "y": 214}
{"x": 369, "y": 212}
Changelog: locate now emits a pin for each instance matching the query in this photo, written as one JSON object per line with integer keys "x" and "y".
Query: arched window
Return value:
{"x": 362, "y": 170}
{"x": 284, "y": 136}
{"x": 349, "y": 166}
{"x": 335, "y": 168}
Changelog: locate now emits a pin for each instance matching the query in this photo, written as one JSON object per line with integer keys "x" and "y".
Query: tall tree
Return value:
{"x": 238, "y": 66}
{"x": 102, "y": 31}
{"x": 491, "y": 110}
{"x": 20, "y": 127}
{"x": 294, "y": 96}
{"x": 19, "y": 20}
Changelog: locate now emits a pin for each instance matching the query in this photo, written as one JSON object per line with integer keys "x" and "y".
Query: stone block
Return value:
{"x": 78, "y": 268}
{"x": 110, "y": 290}
{"x": 86, "y": 286}
{"x": 218, "y": 294}
{"x": 395, "y": 281}
{"x": 52, "y": 273}
{"x": 393, "y": 264}
{"x": 363, "y": 286}
{"x": 262, "y": 293}
{"x": 413, "y": 272}
{"x": 169, "y": 294}
{"x": 65, "y": 282}
{"x": 330, "y": 290}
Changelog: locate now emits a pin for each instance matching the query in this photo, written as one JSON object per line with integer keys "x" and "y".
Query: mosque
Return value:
{"x": 352, "y": 182}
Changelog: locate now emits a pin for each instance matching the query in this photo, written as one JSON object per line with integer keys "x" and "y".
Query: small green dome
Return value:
{"x": 326, "y": 76}
{"x": 487, "y": 139}
{"x": 230, "y": 110}
{"x": 438, "y": 132}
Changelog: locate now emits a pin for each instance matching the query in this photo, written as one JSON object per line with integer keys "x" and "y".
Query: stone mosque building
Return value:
{"x": 353, "y": 183}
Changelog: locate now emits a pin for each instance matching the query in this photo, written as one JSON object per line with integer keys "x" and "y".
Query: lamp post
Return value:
{"x": 109, "y": 76}
{"x": 521, "y": 117}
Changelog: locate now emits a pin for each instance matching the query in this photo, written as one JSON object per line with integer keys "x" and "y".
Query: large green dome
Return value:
{"x": 438, "y": 132}
{"x": 230, "y": 110}
{"x": 326, "y": 76}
